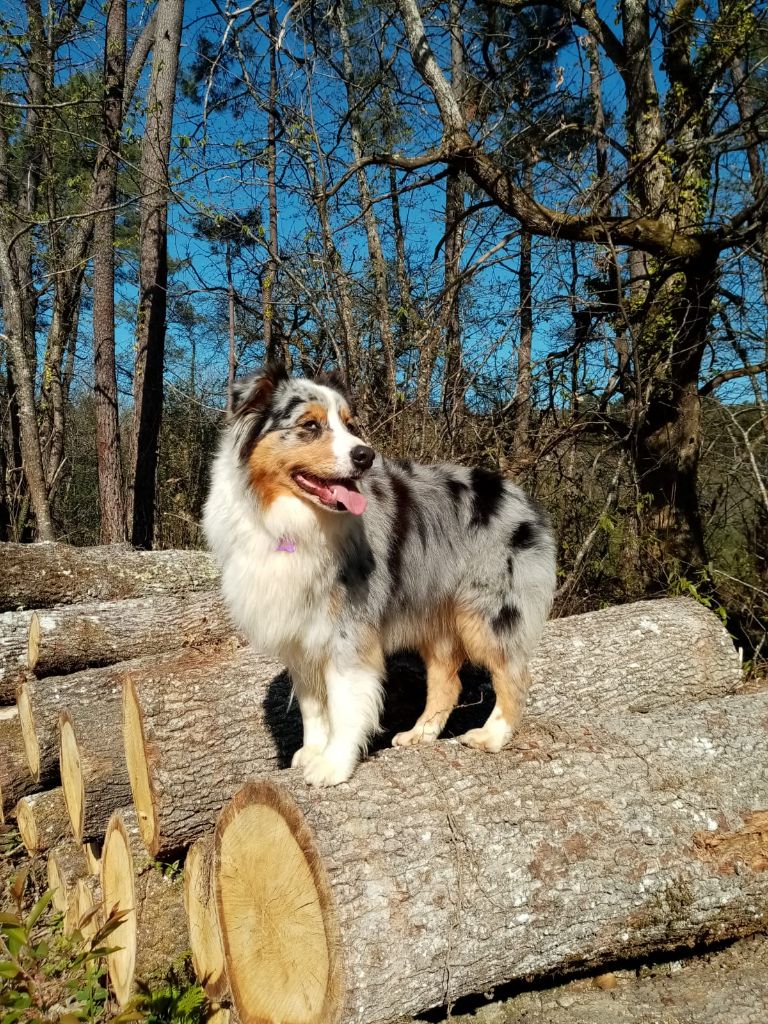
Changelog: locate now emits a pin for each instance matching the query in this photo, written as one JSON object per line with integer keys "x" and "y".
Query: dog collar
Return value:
{"x": 287, "y": 544}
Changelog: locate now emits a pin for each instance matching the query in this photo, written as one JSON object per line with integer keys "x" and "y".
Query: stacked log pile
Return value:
{"x": 628, "y": 817}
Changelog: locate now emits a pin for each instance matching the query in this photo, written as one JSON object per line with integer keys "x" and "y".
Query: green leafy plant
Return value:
{"x": 46, "y": 975}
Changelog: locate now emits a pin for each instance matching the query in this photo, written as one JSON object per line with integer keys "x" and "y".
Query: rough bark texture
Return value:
{"x": 728, "y": 986}
{"x": 42, "y": 820}
{"x": 68, "y": 639}
{"x": 94, "y": 776}
{"x": 154, "y": 933}
{"x": 14, "y": 627}
{"x": 42, "y": 575}
{"x": 200, "y": 906}
{"x": 204, "y": 725}
{"x": 15, "y": 780}
{"x": 580, "y": 846}
{"x": 66, "y": 863}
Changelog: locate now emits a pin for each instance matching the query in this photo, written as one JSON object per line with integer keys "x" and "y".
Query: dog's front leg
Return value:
{"x": 353, "y": 705}
{"x": 314, "y": 721}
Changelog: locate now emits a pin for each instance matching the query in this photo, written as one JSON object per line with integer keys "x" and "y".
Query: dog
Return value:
{"x": 333, "y": 556}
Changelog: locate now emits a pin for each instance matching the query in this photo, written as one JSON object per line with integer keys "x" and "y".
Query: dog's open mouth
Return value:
{"x": 339, "y": 495}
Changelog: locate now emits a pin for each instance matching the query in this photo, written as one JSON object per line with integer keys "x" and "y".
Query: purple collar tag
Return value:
{"x": 286, "y": 544}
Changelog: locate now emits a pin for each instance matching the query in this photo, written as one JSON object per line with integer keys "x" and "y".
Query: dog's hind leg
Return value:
{"x": 443, "y": 688}
{"x": 509, "y": 674}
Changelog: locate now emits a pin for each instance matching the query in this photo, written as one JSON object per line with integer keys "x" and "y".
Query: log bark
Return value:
{"x": 15, "y": 780}
{"x": 154, "y": 931}
{"x": 193, "y": 735}
{"x": 14, "y": 627}
{"x": 77, "y": 637}
{"x": 438, "y": 872}
{"x": 200, "y": 906}
{"x": 94, "y": 776}
{"x": 66, "y": 864}
{"x": 40, "y": 701}
{"x": 42, "y": 820}
{"x": 42, "y": 575}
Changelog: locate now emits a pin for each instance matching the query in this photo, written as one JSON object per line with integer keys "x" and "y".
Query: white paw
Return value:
{"x": 304, "y": 755}
{"x": 418, "y": 734}
{"x": 489, "y": 739}
{"x": 323, "y": 770}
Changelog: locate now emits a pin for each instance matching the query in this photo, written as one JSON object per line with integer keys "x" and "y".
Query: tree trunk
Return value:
{"x": 14, "y": 627}
{"x": 41, "y": 575}
{"x": 232, "y": 354}
{"x": 193, "y": 733}
{"x": 375, "y": 249}
{"x": 15, "y": 780}
{"x": 153, "y": 274}
{"x": 154, "y": 931}
{"x": 78, "y": 637}
{"x": 473, "y": 870}
{"x": 42, "y": 820}
{"x": 521, "y": 406}
{"x": 200, "y": 906}
{"x": 273, "y": 346}
{"x": 94, "y": 777}
{"x": 108, "y": 451}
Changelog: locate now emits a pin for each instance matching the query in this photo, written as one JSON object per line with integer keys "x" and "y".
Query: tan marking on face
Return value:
{"x": 314, "y": 411}
{"x": 274, "y": 460}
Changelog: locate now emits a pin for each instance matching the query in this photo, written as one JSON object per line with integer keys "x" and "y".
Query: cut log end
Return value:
{"x": 138, "y": 772}
{"x": 29, "y": 735}
{"x": 118, "y": 893}
{"x": 278, "y": 926}
{"x": 27, "y": 826}
{"x": 71, "y": 774}
{"x": 66, "y": 864}
{"x": 200, "y": 906}
{"x": 33, "y": 641}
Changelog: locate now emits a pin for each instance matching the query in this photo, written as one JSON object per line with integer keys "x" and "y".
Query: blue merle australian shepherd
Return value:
{"x": 333, "y": 556}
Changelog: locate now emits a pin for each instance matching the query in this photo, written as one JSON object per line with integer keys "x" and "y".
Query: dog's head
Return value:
{"x": 299, "y": 437}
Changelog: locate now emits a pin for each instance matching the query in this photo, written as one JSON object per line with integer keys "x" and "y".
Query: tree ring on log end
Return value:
{"x": 28, "y": 734}
{"x": 278, "y": 923}
{"x": 33, "y": 641}
{"x": 204, "y": 934}
{"x": 71, "y": 774}
{"x": 138, "y": 773}
{"x": 25, "y": 822}
{"x": 119, "y": 893}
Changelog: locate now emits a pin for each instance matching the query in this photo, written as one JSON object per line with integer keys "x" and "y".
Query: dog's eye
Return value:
{"x": 310, "y": 425}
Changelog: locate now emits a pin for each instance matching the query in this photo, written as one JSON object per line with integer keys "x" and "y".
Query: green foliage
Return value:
{"x": 44, "y": 972}
{"x": 176, "y": 1002}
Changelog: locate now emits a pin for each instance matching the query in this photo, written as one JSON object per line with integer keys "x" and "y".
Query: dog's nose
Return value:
{"x": 362, "y": 456}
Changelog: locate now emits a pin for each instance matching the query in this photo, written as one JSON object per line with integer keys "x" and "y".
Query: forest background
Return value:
{"x": 531, "y": 235}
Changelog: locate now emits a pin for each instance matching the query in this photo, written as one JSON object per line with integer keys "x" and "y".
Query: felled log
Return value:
{"x": 193, "y": 735}
{"x": 438, "y": 872}
{"x": 14, "y": 627}
{"x": 45, "y": 574}
{"x": 67, "y": 863}
{"x": 77, "y": 637}
{"x": 41, "y": 701}
{"x": 154, "y": 931}
{"x": 200, "y": 907}
{"x": 42, "y": 820}
{"x": 15, "y": 780}
{"x": 94, "y": 777}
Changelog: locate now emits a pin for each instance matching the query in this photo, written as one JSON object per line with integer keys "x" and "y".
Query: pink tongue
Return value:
{"x": 353, "y": 501}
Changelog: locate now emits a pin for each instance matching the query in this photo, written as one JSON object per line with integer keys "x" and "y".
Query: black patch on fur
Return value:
{"x": 401, "y": 527}
{"x": 377, "y": 490}
{"x": 405, "y": 465}
{"x": 524, "y": 536}
{"x": 287, "y": 411}
{"x": 488, "y": 490}
{"x": 507, "y": 618}
{"x": 510, "y": 565}
{"x": 457, "y": 489}
{"x": 253, "y": 398}
{"x": 357, "y": 564}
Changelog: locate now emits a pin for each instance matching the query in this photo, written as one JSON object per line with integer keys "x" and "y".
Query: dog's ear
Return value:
{"x": 254, "y": 393}
{"x": 335, "y": 379}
